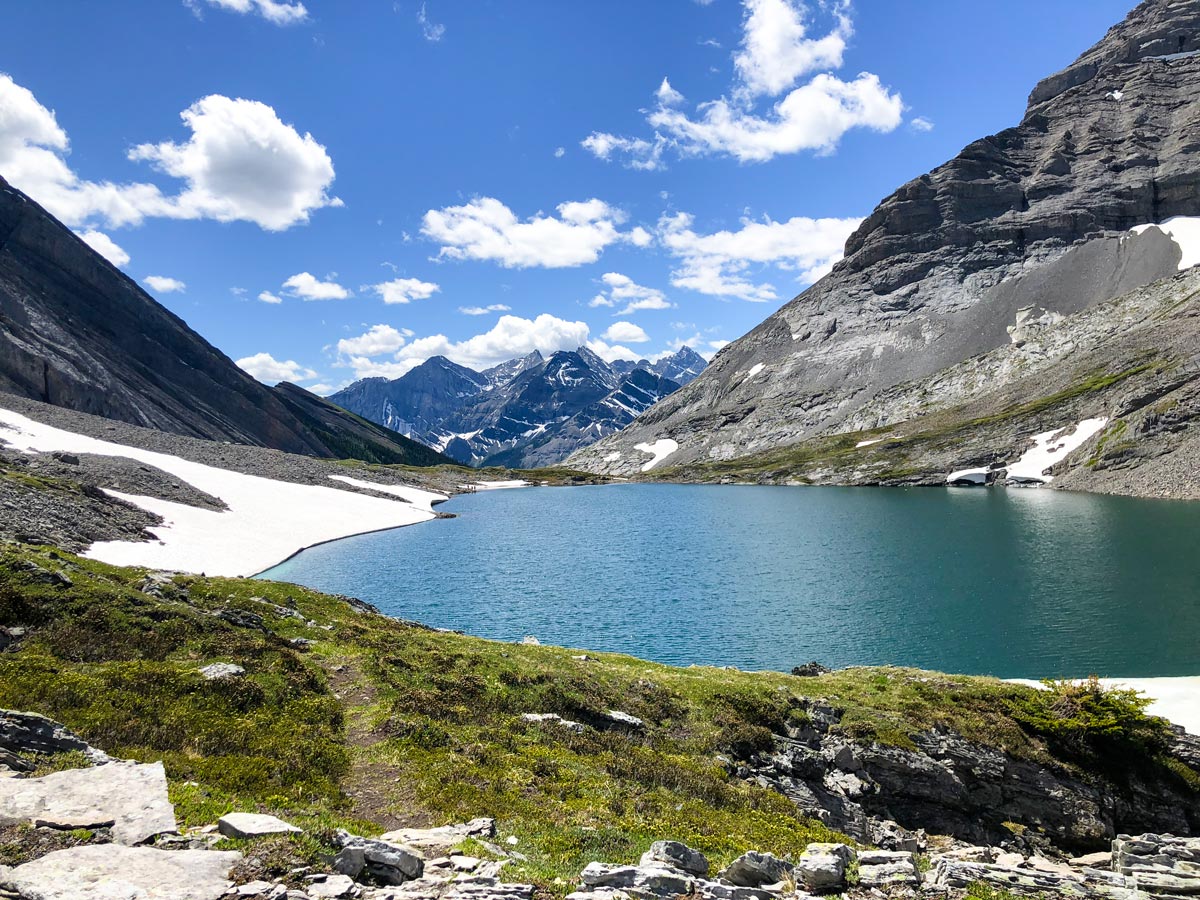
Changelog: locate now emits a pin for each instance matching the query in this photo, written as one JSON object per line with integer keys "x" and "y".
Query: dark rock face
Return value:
{"x": 949, "y": 785}
{"x": 75, "y": 332}
{"x": 524, "y": 413}
{"x": 935, "y": 274}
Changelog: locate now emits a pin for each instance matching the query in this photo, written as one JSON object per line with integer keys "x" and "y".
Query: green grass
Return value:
{"x": 385, "y": 723}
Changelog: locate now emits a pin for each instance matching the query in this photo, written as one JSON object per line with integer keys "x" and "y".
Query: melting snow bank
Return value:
{"x": 493, "y": 485}
{"x": 1185, "y": 231}
{"x": 1175, "y": 699}
{"x": 660, "y": 450}
{"x": 266, "y": 522}
{"x": 1049, "y": 448}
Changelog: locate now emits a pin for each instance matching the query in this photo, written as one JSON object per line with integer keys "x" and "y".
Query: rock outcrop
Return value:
{"x": 76, "y": 332}
{"x": 1038, "y": 215}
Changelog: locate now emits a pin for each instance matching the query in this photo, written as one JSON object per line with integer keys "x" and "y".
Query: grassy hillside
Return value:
{"x": 379, "y": 723}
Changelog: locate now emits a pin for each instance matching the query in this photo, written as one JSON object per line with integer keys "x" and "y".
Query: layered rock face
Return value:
{"x": 941, "y": 269}
{"x": 76, "y": 332}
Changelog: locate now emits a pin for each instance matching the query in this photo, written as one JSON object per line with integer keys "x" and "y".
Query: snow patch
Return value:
{"x": 968, "y": 476}
{"x": 755, "y": 369}
{"x": 266, "y": 522}
{"x": 494, "y": 485}
{"x": 660, "y": 450}
{"x": 1115, "y": 95}
{"x": 868, "y": 443}
{"x": 1049, "y": 448}
{"x": 1185, "y": 231}
{"x": 417, "y": 497}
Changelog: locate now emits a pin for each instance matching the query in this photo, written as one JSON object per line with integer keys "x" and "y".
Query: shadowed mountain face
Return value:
{"x": 76, "y": 332}
{"x": 1036, "y": 215}
{"x": 524, "y": 413}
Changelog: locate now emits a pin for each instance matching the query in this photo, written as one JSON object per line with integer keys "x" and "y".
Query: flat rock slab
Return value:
{"x": 114, "y": 872}
{"x": 129, "y": 797}
{"x": 252, "y": 825}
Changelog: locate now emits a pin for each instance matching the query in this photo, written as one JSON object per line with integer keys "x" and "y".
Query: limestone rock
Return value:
{"x": 1159, "y": 864}
{"x": 674, "y": 855}
{"x": 129, "y": 797}
{"x": 877, "y": 868}
{"x": 822, "y": 867}
{"x": 114, "y": 872}
{"x": 330, "y": 886}
{"x": 553, "y": 719}
{"x": 252, "y": 825}
{"x": 26, "y": 732}
{"x": 754, "y": 869}
{"x": 643, "y": 881}
{"x": 440, "y": 841}
{"x": 624, "y": 720}
{"x": 957, "y": 874}
{"x": 222, "y": 670}
{"x": 381, "y": 861}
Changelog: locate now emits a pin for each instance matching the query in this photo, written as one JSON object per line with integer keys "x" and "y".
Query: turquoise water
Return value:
{"x": 1012, "y": 583}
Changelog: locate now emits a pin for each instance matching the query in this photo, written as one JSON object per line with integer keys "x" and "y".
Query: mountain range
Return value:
{"x": 524, "y": 413}
{"x": 989, "y": 300}
{"x": 78, "y": 333}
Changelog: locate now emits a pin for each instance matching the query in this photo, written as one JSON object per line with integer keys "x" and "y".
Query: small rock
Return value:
{"x": 331, "y": 886}
{"x": 512, "y": 840}
{"x": 222, "y": 670}
{"x": 624, "y": 720}
{"x": 877, "y": 868}
{"x": 822, "y": 867}
{"x": 1101, "y": 860}
{"x": 810, "y": 670}
{"x": 530, "y": 641}
{"x": 674, "y": 855}
{"x": 642, "y": 880}
{"x": 252, "y": 825}
{"x": 240, "y": 618}
{"x": 755, "y": 869}
{"x": 383, "y": 862}
{"x": 440, "y": 841}
{"x": 465, "y": 863}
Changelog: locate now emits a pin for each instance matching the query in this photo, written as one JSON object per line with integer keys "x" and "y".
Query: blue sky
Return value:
{"x": 327, "y": 190}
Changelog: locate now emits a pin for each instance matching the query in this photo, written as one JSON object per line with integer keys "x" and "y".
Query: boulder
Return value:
{"x": 222, "y": 670}
{"x": 128, "y": 797}
{"x": 115, "y": 872}
{"x": 877, "y": 868}
{"x": 810, "y": 670}
{"x": 26, "y": 732}
{"x": 674, "y": 855}
{"x": 1159, "y": 864}
{"x": 624, "y": 720}
{"x": 643, "y": 881}
{"x": 717, "y": 890}
{"x": 440, "y": 841}
{"x": 822, "y": 867}
{"x": 955, "y": 874}
{"x": 756, "y": 869}
{"x": 252, "y": 825}
{"x": 380, "y": 861}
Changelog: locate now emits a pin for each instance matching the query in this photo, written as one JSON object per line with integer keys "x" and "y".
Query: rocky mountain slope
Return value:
{"x": 1039, "y": 215}
{"x": 525, "y": 413}
{"x": 76, "y": 332}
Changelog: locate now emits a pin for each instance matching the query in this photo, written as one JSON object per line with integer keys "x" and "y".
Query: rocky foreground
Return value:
{"x": 127, "y": 843}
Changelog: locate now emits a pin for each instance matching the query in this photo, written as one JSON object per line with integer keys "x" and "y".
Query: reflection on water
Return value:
{"x": 1005, "y": 582}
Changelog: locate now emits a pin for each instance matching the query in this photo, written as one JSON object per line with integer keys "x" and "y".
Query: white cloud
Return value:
{"x": 612, "y": 352}
{"x": 717, "y": 264}
{"x": 431, "y": 31}
{"x": 322, "y": 389}
{"x": 719, "y": 345}
{"x": 377, "y": 340}
{"x": 268, "y": 297}
{"x": 308, "y": 287}
{"x": 241, "y": 163}
{"x": 483, "y": 310}
{"x": 623, "y": 289}
{"x": 511, "y": 336}
{"x": 920, "y": 123}
{"x": 105, "y": 246}
{"x": 776, "y": 49}
{"x": 486, "y": 229}
{"x": 626, "y": 331}
{"x": 164, "y": 285}
{"x": 278, "y": 13}
{"x": 560, "y": 152}
{"x": 270, "y": 370}
{"x": 404, "y": 290}
{"x": 775, "y": 53}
